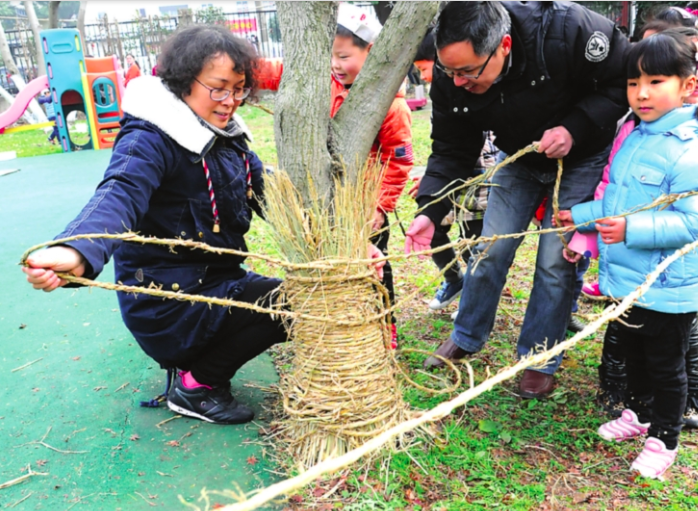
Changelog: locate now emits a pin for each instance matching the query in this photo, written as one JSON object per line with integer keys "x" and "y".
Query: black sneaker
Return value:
{"x": 690, "y": 417}
{"x": 216, "y": 405}
{"x": 575, "y": 325}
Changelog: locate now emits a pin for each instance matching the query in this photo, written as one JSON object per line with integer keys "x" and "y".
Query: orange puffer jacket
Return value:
{"x": 393, "y": 145}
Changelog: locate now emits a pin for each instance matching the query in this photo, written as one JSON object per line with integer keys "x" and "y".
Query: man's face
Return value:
{"x": 460, "y": 59}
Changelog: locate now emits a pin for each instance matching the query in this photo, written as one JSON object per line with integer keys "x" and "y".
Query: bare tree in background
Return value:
{"x": 36, "y": 29}
{"x": 309, "y": 143}
{"x": 37, "y": 114}
{"x": 53, "y": 14}
{"x": 81, "y": 20}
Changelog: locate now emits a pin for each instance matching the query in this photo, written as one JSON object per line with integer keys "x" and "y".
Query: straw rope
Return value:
{"x": 342, "y": 388}
{"x": 332, "y": 465}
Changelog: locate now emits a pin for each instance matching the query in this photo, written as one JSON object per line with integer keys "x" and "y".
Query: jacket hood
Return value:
{"x": 148, "y": 99}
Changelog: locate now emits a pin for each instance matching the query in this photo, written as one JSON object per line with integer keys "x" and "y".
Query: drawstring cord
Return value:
{"x": 155, "y": 402}
{"x": 212, "y": 195}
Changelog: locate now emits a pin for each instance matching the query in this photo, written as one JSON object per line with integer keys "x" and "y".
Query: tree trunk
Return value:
{"x": 34, "y": 110}
{"x": 308, "y": 143}
{"x": 356, "y": 124}
{"x": 53, "y": 14}
{"x": 302, "y": 110}
{"x": 81, "y": 21}
{"x": 7, "y": 54}
{"x": 36, "y": 29}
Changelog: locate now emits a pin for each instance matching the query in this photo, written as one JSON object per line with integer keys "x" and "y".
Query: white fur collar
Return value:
{"x": 147, "y": 98}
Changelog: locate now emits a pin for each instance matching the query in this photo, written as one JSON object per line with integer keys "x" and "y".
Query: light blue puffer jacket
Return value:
{"x": 657, "y": 158}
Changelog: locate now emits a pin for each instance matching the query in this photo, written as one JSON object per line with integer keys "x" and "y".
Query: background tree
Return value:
{"x": 81, "y": 19}
{"x": 36, "y": 29}
{"x": 37, "y": 114}
{"x": 53, "y": 14}
{"x": 309, "y": 143}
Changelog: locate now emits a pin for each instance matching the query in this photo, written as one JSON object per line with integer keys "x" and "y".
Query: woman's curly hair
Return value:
{"x": 188, "y": 50}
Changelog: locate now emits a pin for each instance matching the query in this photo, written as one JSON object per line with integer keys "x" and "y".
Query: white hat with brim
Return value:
{"x": 358, "y": 22}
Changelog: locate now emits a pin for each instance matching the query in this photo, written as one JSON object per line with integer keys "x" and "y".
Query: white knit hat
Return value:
{"x": 358, "y": 22}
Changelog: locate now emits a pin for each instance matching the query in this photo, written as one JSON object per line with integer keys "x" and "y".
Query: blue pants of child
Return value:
{"x": 517, "y": 192}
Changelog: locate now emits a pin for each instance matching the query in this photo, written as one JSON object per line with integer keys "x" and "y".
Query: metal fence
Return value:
{"x": 144, "y": 37}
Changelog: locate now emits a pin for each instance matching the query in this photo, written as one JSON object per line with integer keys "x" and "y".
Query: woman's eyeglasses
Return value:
{"x": 222, "y": 94}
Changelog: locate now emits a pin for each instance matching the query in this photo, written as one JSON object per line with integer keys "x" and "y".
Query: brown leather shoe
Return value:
{"x": 536, "y": 385}
{"x": 447, "y": 350}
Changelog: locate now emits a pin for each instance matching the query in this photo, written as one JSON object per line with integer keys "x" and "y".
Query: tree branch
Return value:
{"x": 356, "y": 124}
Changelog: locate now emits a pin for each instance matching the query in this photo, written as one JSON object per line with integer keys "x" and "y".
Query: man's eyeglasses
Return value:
{"x": 222, "y": 94}
{"x": 461, "y": 74}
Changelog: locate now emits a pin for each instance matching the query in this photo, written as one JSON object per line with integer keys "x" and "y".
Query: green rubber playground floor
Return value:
{"x": 72, "y": 377}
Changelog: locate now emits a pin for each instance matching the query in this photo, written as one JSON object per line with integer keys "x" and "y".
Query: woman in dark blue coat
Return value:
{"x": 181, "y": 168}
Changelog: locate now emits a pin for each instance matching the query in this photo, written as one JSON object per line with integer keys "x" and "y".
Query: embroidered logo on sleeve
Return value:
{"x": 597, "y": 48}
{"x": 404, "y": 153}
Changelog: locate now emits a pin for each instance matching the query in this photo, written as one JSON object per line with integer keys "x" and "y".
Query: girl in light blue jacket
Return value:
{"x": 659, "y": 157}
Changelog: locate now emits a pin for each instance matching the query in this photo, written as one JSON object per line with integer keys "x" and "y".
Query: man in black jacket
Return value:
{"x": 552, "y": 72}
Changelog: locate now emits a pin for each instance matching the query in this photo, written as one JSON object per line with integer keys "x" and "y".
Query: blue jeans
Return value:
{"x": 517, "y": 192}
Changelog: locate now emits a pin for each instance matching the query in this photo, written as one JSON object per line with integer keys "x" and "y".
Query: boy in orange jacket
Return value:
{"x": 356, "y": 32}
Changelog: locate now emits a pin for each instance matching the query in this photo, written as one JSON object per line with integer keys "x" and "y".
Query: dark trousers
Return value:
{"x": 655, "y": 346}
{"x": 245, "y": 334}
{"x": 582, "y": 267}
{"x": 381, "y": 240}
{"x": 441, "y": 238}
{"x": 54, "y": 133}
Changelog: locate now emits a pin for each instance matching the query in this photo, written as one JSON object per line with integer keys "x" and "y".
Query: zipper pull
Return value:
{"x": 502, "y": 98}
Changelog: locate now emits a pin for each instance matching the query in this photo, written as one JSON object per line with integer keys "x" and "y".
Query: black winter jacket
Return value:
{"x": 568, "y": 69}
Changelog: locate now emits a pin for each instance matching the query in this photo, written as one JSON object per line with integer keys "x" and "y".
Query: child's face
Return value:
{"x": 219, "y": 73}
{"x": 653, "y": 96}
{"x": 347, "y": 59}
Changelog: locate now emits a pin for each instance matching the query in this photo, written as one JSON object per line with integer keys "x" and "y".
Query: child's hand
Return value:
{"x": 412, "y": 192}
{"x": 43, "y": 264}
{"x": 612, "y": 230}
{"x": 571, "y": 256}
{"x": 565, "y": 218}
{"x": 419, "y": 235}
{"x": 377, "y": 220}
{"x": 375, "y": 253}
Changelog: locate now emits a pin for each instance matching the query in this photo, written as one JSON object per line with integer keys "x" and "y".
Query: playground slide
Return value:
{"x": 21, "y": 102}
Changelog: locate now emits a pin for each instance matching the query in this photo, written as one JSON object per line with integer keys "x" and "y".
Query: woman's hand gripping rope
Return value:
{"x": 42, "y": 266}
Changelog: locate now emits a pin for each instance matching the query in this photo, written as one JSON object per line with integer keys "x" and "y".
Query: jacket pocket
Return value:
{"x": 178, "y": 279}
{"x": 645, "y": 186}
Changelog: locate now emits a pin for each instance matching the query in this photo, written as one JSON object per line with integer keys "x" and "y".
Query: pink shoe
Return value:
{"x": 592, "y": 292}
{"x": 626, "y": 426}
{"x": 654, "y": 459}
{"x": 393, "y": 336}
